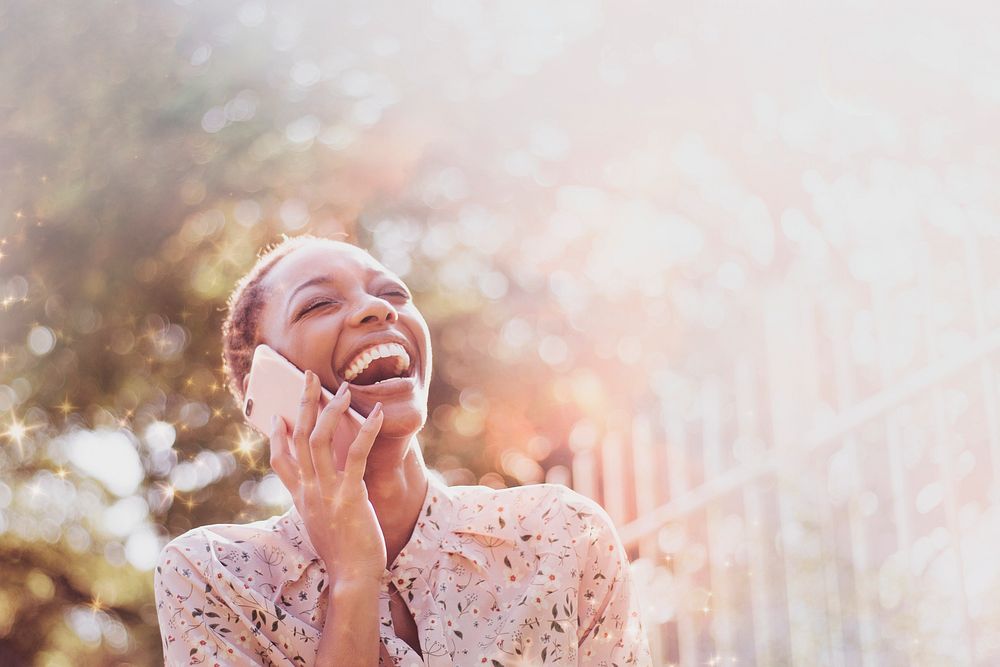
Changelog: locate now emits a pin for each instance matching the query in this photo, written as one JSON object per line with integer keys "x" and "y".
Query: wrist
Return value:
{"x": 358, "y": 573}
{"x": 348, "y": 584}
{"x": 352, "y": 599}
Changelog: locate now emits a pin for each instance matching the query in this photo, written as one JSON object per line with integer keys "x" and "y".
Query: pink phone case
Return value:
{"x": 275, "y": 388}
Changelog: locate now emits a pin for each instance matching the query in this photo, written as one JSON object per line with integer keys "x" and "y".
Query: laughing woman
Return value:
{"x": 378, "y": 562}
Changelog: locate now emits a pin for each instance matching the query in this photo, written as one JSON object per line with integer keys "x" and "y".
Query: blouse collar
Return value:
{"x": 449, "y": 522}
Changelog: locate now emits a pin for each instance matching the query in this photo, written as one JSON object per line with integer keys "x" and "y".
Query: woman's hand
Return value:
{"x": 334, "y": 505}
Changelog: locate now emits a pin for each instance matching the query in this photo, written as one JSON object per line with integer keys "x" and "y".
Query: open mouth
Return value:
{"x": 377, "y": 364}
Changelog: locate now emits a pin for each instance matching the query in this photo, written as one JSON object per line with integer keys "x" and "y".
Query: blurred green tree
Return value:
{"x": 149, "y": 150}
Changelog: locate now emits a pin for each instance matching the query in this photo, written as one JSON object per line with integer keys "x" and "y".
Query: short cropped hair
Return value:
{"x": 240, "y": 334}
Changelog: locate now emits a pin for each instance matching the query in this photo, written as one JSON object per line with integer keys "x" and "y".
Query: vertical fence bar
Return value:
{"x": 793, "y": 393}
{"x": 834, "y": 607}
{"x": 615, "y": 484}
{"x": 941, "y": 437}
{"x": 645, "y": 468}
{"x": 722, "y": 608}
{"x": 974, "y": 276}
{"x": 757, "y": 572}
{"x": 897, "y": 471}
{"x": 951, "y": 518}
{"x": 648, "y": 480}
{"x": 585, "y": 473}
{"x": 749, "y": 448}
{"x": 677, "y": 464}
{"x": 860, "y": 574}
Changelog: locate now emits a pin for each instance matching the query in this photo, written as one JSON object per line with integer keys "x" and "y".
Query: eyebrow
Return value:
{"x": 315, "y": 280}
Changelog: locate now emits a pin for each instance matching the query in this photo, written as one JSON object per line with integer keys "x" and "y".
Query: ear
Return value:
{"x": 246, "y": 382}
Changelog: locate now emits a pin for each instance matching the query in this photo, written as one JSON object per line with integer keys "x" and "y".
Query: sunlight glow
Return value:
{"x": 106, "y": 455}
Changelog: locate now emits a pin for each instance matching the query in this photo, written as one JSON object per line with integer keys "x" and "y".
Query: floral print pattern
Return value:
{"x": 532, "y": 575}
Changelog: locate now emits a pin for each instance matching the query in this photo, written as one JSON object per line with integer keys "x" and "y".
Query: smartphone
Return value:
{"x": 275, "y": 388}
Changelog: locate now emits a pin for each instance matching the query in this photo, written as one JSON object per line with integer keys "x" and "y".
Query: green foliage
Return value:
{"x": 150, "y": 152}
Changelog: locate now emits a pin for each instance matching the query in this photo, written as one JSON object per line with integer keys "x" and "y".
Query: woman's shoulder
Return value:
{"x": 528, "y": 494}
{"x": 535, "y": 508}
{"x": 524, "y": 493}
{"x": 201, "y": 542}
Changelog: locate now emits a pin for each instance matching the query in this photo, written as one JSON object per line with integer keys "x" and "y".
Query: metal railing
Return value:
{"x": 795, "y": 523}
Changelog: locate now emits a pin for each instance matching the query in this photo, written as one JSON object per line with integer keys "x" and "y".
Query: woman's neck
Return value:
{"x": 396, "y": 478}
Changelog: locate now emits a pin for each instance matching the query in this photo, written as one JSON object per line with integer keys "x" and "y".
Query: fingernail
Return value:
{"x": 309, "y": 377}
{"x": 377, "y": 409}
{"x": 274, "y": 422}
{"x": 342, "y": 389}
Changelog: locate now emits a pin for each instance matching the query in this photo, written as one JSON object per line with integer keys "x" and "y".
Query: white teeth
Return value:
{"x": 360, "y": 362}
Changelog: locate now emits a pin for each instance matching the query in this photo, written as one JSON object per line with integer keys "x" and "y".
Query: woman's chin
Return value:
{"x": 402, "y": 421}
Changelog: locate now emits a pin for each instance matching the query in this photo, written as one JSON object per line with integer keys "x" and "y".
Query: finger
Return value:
{"x": 304, "y": 426}
{"x": 281, "y": 460}
{"x": 320, "y": 442}
{"x": 357, "y": 456}
{"x": 339, "y": 453}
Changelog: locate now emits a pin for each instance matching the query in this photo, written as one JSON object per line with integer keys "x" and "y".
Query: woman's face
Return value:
{"x": 329, "y": 304}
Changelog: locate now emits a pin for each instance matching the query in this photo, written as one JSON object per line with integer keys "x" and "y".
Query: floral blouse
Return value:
{"x": 531, "y": 575}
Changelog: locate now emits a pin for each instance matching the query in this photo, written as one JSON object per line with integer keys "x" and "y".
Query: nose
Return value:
{"x": 373, "y": 309}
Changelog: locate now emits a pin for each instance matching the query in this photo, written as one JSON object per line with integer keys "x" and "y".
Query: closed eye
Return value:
{"x": 312, "y": 306}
